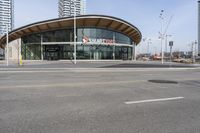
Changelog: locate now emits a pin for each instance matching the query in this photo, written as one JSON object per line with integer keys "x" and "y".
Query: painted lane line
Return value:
{"x": 73, "y": 84}
{"x": 154, "y": 100}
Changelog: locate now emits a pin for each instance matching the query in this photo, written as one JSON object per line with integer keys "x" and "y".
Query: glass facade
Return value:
{"x": 92, "y": 44}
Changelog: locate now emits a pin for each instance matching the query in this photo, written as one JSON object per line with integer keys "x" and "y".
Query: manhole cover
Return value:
{"x": 163, "y": 81}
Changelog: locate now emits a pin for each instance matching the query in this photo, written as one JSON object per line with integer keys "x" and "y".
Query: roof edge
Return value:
{"x": 71, "y": 17}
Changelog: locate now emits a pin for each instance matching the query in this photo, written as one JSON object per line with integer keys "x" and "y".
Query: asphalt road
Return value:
{"x": 67, "y": 101}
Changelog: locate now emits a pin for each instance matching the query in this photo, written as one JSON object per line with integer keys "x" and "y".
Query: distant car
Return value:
{"x": 176, "y": 60}
{"x": 188, "y": 61}
{"x": 145, "y": 58}
{"x": 182, "y": 60}
{"x": 156, "y": 57}
{"x": 198, "y": 59}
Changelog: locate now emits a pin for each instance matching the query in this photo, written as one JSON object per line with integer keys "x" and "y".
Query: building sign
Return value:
{"x": 171, "y": 43}
{"x": 94, "y": 40}
{"x": 85, "y": 39}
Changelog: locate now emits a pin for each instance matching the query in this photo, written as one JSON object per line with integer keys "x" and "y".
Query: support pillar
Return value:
{"x": 134, "y": 52}
{"x": 41, "y": 48}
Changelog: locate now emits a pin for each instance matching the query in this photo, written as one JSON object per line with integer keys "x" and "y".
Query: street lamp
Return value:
{"x": 74, "y": 2}
{"x": 161, "y": 34}
{"x": 148, "y": 45}
{"x": 7, "y": 41}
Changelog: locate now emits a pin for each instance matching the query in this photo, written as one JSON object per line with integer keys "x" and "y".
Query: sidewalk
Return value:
{"x": 95, "y": 64}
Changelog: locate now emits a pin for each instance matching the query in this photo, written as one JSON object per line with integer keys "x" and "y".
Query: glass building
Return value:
{"x": 66, "y": 7}
{"x": 97, "y": 38}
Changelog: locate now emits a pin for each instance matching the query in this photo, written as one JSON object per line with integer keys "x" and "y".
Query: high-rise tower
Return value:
{"x": 6, "y": 16}
{"x": 199, "y": 28}
{"x": 66, "y": 7}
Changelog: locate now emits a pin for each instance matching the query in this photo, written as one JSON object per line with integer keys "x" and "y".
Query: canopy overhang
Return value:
{"x": 98, "y": 21}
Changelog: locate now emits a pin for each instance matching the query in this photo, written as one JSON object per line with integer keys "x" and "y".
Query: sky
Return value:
{"x": 144, "y": 14}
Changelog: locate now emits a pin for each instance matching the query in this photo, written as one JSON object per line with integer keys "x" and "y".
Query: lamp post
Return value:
{"x": 7, "y": 63}
{"x": 148, "y": 46}
{"x": 161, "y": 34}
{"x": 74, "y": 1}
{"x": 147, "y": 42}
{"x": 144, "y": 40}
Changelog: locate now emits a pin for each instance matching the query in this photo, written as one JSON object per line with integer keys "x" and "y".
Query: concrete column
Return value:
{"x": 133, "y": 49}
{"x": 42, "y": 58}
{"x": 134, "y": 52}
{"x": 19, "y": 50}
{"x": 114, "y": 52}
{"x": 113, "y": 46}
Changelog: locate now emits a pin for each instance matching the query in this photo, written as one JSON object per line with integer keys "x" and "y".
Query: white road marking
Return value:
{"x": 73, "y": 84}
{"x": 154, "y": 100}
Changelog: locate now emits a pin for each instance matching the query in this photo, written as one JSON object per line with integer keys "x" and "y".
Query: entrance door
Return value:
{"x": 97, "y": 55}
{"x": 52, "y": 52}
{"x": 53, "y": 55}
{"x": 124, "y": 53}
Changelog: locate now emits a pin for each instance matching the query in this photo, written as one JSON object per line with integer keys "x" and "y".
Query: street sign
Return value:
{"x": 171, "y": 43}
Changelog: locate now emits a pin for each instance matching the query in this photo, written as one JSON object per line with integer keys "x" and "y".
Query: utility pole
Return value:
{"x": 161, "y": 34}
{"x": 148, "y": 46}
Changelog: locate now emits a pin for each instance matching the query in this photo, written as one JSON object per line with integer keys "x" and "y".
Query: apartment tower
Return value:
{"x": 6, "y": 16}
{"x": 66, "y": 7}
{"x": 199, "y": 28}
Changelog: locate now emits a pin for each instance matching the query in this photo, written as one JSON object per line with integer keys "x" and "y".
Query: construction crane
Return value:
{"x": 168, "y": 24}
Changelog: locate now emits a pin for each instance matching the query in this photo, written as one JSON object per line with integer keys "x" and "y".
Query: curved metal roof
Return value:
{"x": 99, "y": 21}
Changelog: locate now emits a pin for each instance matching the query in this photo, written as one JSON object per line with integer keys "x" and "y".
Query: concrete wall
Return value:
{"x": 14, "y": 50}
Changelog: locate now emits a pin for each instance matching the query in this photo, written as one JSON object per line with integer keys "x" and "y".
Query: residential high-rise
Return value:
{"x": 66, "y": 7}
{"x": 6, "y": 16}
{"x": 199, "y": 28}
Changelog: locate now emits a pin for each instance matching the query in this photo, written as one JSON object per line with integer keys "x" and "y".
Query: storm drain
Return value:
{"x": 163, "y": 81}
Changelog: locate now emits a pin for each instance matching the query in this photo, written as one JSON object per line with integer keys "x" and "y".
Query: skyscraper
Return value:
{"x": 199, "y": 28}
{"x": 66, "y": 7}
{"x": 6, "y": 16}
